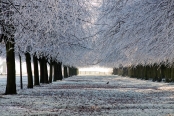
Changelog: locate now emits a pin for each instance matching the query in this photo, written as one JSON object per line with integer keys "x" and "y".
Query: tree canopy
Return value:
{"x": 89, "y": 32}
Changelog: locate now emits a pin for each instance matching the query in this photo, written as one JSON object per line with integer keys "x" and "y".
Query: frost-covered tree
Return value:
{"x": 136, "y": 32}
{"x": 59, "y": 30}
{"x": 7, "y": 37}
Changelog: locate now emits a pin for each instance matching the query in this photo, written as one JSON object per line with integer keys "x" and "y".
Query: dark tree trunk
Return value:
{"x": 132, "y": 71}
{"x": 143, "y": 73}
{"x": 36, "y": 71}
{"x": 65, "y": 72}
{"x": 70, "y": 71}
{"x": 120, "y": 71}
{"x": 168, "y": 74}
{"x": 172, "y": 73}
{"x": 11, "y": 74}
{"x": 124, "y": 71}
{"x": 135, "y": 72}
{"x": 51, "y": 72}
{"x": 20, "y": 72}
{"x": 60, "y": 77}
{"x": 75, "y": 71}
{"x": 147, "y": 72}
{"x": 155, "y": 75}
{"x": 162, "y": 71}
{"x": 45, "y": 71}
{"x": 41, "y": 70}
{"x": 129, "y": 71}
{"x": 29, "y": 71}
{"x": 115, "y": 70}
{"x": 150, "y": 72}
{"x": 55, "y": 71}
{"x": 158, "y": 74}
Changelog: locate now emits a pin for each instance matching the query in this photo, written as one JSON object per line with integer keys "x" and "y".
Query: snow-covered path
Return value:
{"x": 91, "y": 96}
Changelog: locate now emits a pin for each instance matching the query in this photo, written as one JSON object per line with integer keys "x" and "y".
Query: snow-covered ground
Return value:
{"x": 90, "y": 96}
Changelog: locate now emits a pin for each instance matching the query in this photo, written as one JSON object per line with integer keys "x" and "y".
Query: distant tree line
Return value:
{"x": 155, "y": 72}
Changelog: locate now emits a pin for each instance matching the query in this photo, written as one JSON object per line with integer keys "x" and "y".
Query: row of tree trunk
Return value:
{"x": 73, "y": 71}
{"x": 55, "y": 70}
{"x": 149, "y": 72}
{"x": 44, "y": 78}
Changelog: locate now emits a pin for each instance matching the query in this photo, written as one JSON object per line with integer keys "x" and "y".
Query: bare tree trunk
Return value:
{"x": 60, "y": 77}
{"x": 51, "y": 72}
{"x": 41, "y": 70}
{"x": 70, "y": 71}
{"x": 55, "y": 71}
{"x": 76, "y": 71}
{"x": 158, "y": 74}
{"x": 11, "y": 74}
{"x": 132, "y": 71}
{"x": 163, "y": 68}
{"x": 172, "y": 73}
{"x": 45, "y": 71}
{"x": 144, "y": 72}
{"x": 147, "y": 72}
{"x": 155, "y": 72}
{"x": 168, "y": 74}
{"x": 36, "y": 72}
{"x": 20, "y": 72}
{"x": 29, "y": 71}
{"x": 65, "y": 72}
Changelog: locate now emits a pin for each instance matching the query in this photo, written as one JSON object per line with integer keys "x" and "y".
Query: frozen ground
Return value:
{"x": 91, "y": 96}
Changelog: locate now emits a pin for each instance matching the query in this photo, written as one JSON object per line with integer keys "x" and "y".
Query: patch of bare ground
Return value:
{"x": 102, "y": 86}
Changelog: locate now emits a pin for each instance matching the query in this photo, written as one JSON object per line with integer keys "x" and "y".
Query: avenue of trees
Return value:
{"x": 53, "y": 32}
{"x": 138, "y": 38}
{"x": 131, "y": 36}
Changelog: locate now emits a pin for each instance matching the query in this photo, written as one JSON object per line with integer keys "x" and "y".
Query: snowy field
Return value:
{"x": 90, "y": 96}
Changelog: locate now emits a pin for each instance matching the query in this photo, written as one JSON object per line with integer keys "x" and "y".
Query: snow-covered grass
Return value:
{"x": 90, "y": 96}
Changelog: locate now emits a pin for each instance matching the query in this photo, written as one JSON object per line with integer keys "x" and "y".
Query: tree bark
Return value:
{"x": 41, "y": 70}
{"x": 132, "y": 71}
{"x": 172, "y": 73}
{"x": 55, "y": 72}
{"x": 124, "y": 70}
{"x": 65, "y": 72}
{"x": 143, "y": 73}
{"x": 146, "y": 72}
{"x": 45, "y": 71}
{"x": 158, "y": 74}
{"x": 168, "y": 74}
{"x": 20, "y": 72}
{"x": 70, "y": 71}
{"x": 129, "y": 71}
{"x": 154, "y": 73}
{"x": 60, "y": 77}
{"x": 29, "y": 71}
{"x": 51, "y": 72}
{"x": 11, "y": 74}
{"x": 163, "y": 68}
{"x": 36, "y": 71}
